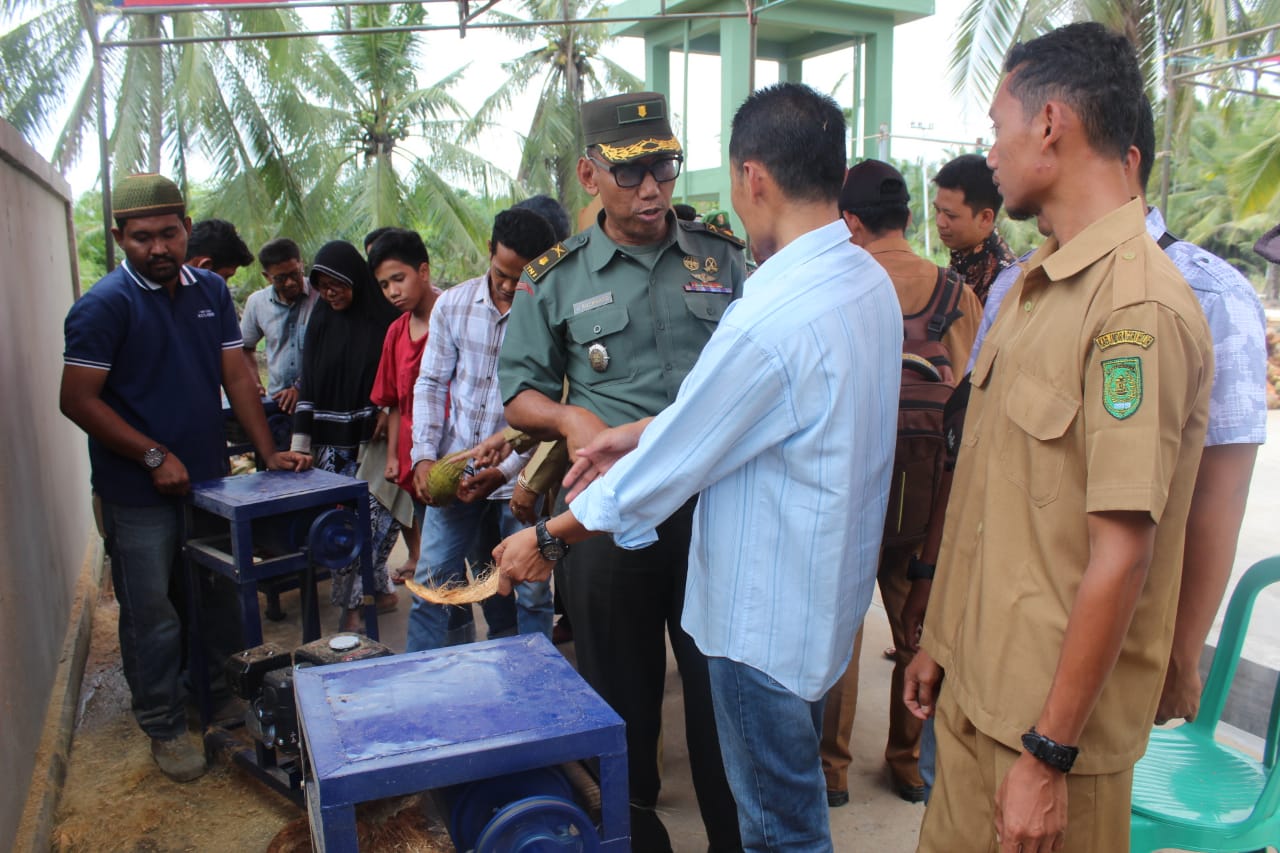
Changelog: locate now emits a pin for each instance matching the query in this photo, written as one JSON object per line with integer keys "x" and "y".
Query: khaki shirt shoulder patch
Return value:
{"x": 1122, "y": 386}
{"x": 1124, "y": 336}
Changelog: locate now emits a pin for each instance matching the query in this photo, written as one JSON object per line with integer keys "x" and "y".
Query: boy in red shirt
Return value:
{"x": 402, "y": 267}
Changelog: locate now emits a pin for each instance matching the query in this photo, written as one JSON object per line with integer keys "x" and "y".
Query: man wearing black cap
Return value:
{"x": 873, "y": 203}
{"x": 622, "y": 310}
{"x": 146, "y": 351}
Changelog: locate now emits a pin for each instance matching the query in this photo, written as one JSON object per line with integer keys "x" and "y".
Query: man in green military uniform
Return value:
{"x": 622, "y": 310}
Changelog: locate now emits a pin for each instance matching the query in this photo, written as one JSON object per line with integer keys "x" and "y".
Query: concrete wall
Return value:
{"x": 46, "y": 519}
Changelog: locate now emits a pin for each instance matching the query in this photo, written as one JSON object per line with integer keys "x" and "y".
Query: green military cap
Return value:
{"x": 146, "y": 195}
{"x": 628, "y": 127}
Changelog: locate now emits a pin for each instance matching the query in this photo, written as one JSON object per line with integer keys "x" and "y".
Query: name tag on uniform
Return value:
{"x": 594, "y": 302}
{"x": 706, "y": 287}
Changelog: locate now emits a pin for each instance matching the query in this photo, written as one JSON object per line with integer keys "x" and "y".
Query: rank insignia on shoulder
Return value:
{"x": 722, "y": 233}
{"x": 538, "y": 267}
{"x": 1124, "y": 336}
{"x": 1121, "y": 386}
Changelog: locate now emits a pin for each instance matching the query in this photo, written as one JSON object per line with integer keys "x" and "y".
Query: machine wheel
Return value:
{"x": 539, "y": 825}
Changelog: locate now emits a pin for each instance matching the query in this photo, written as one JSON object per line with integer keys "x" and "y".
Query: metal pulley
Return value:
{"x": 528, "y": 812}
{"x": 334, "y": 539}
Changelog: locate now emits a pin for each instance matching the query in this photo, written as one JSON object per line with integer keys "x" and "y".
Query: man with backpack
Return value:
{"x": 940, "y": 318}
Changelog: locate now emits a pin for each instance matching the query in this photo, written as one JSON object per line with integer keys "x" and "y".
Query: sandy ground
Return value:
{"x": 115, "y": 798}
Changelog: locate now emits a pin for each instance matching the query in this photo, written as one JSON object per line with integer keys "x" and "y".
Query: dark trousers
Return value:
{"x": 145, "y": 545}
{"x": 623, "y": 603}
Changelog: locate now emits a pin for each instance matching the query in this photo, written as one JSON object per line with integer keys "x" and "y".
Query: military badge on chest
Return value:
{"x": 598, "y": 357}
{"x": 704, "y": 276}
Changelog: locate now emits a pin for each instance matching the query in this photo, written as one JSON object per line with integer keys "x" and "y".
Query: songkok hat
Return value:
{"x": 1268, "y": 245}
{"x": 628, "y": 127}
{"x": 873, "y": 183}
{"x": 146, "y": 195}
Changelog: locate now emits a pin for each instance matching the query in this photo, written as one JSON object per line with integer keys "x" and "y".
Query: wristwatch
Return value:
{"x": 551, "y": 547}
{"x": 917, "y": 570}
{"x": 153, "y": 457}
{"x": 1056, "y": 755}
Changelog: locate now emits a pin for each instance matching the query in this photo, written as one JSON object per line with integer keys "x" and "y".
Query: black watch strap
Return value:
{"x": 551, "y": 547}
{"x": 918, "y": 570}
{"x": 1056, "y": 755}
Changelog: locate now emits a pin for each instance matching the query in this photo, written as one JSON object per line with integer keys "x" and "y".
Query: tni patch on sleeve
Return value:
{"x": 1121, "y": 386}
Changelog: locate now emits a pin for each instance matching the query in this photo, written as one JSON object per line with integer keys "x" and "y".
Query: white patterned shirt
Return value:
{"x": 459, "y": 373}
{"x": 1238, "y": 405}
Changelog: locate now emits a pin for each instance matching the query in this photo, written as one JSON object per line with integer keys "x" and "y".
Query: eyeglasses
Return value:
{"x": 327, "y": 284}
{"x": 628, "y": 175}
{"x": 284, "y": 278}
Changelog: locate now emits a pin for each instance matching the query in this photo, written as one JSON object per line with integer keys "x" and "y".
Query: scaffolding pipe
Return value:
{"x": 424, "y": 28}
{"x": 104, "y": 152}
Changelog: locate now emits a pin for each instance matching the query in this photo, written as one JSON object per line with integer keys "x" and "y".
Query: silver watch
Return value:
{"x": 153, "y": 457}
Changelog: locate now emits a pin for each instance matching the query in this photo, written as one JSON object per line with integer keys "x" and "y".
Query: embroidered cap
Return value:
{"x": 146, "y": 195}
{"x": 628, "y": 127}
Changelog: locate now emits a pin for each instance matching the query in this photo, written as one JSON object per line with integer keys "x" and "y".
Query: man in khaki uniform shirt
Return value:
{"x": 874, "y": 204}
{"x": 1053, "y": 607}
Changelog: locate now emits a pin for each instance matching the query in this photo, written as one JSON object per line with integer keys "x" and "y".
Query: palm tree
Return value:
{"x": 235, "y": 105}
{"x": 569, "y": 63}
{"x": 234, "y": 95}
{"x": 988, "y": 28}
{"x": 392, "y": 149}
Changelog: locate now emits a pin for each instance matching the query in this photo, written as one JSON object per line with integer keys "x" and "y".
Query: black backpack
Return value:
{"x": 928, "y": 381}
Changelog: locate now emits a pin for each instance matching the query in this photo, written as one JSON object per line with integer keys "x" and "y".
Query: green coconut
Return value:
{"x": 445, "y": 477}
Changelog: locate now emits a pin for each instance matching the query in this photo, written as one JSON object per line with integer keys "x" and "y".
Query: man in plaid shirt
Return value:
{"x": 456, "y": 405}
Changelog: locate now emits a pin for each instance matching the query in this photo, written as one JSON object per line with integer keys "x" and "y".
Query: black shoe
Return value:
{"x": 648, "y": 835}
{"x": 836, "y": 799}
{"x": 910, "y": 793}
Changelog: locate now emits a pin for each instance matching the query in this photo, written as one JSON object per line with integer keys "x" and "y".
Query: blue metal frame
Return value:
{"x": 241, "y": 501}
{"x": 421, "y": 721}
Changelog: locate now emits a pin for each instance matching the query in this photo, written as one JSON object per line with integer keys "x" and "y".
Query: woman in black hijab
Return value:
{"x": 335, "y": 418}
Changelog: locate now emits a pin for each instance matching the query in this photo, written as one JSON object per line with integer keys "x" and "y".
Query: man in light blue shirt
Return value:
{"x": 786, "y": 429}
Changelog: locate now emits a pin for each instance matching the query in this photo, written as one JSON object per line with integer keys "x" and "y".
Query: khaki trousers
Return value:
{"x": 960, "y": 817}
{"x": 902, "y": 750}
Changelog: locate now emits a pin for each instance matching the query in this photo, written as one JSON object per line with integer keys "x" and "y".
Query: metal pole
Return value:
{"x": 104, "y": 156}
{"x": 684, "y": 108}
{"x": 427, "y": 28}
{"x": 1170, "y": 115}
{"x": 924, "y": 203}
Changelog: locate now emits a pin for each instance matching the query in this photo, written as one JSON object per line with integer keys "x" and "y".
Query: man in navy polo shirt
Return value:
{"x": 146, "y": 351}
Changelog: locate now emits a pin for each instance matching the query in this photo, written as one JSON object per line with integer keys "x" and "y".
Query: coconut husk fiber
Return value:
{"x": 399, "y": 824}
{"x": 484, "y": 586}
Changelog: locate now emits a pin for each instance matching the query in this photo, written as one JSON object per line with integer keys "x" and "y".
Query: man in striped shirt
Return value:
{"x": 785, "y": 428}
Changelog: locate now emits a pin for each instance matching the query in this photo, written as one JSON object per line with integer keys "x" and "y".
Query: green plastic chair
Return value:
{"x": 1191, "y": 792}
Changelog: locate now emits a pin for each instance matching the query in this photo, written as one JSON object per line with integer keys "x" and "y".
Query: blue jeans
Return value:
{"x": 928, "y": 757}
{"x": 145, "y": 546}
{"x": 449, "y": 535}
{"x": 769, "y": 740}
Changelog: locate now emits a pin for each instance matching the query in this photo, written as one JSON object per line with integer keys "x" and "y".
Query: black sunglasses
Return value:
{"x": 628, "y": 175}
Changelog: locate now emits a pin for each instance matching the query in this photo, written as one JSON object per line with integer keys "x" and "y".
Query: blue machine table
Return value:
{"x": 428, "y": 720}
{"x": 266, "y": 524}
